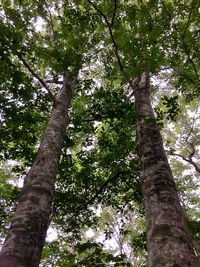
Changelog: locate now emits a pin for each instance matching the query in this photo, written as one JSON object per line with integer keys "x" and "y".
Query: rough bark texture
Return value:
{"x": 26, "y": 237}
{"x": 168, "y": 240}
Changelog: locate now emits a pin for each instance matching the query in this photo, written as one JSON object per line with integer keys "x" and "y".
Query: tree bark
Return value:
{"x": 25, "y": 239}
{"x": 168, "y": 240}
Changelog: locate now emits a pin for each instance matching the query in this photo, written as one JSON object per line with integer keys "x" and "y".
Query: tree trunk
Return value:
{"x": 25, "y": 239}
{"x": 168, "y": 240}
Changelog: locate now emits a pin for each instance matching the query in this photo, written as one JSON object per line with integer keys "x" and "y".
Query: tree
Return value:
{"x": 24, "y": 243}
{"x": 165, "y": 219}
{"x": 139, "y": 40}
{"x": 166, "y": 222}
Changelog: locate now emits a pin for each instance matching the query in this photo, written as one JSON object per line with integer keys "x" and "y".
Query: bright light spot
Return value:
{"x": 51, "y": 234}
{"x": 39, "y": 24}
{"x": 89, "y": 233}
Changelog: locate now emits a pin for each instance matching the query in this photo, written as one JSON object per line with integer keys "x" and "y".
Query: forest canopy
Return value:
{"x": 99, "y": 111}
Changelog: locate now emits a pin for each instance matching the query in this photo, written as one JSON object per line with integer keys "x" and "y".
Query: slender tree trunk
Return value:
{"x": 25, "y": 239}
{"x": 168, "y": 240}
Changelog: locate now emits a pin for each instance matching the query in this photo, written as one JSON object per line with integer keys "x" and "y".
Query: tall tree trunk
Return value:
{"x": 168, "y": 240}
{"x": 25, "y": 239}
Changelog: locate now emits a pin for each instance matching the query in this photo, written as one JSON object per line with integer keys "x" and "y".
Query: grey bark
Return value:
{"x": 25, "y": 239}
{"x": 168, "y": 240}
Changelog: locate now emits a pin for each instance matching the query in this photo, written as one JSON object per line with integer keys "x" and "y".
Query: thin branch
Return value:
{"x": 189, "y": 18}
{"x": 102, "y": 188}
{"x": 51, "y": 31}
{"x": 100, "y": 12}
{"x": 53, "y": 81}
{"x": 188, "y": 55}
{"x": 189, "y": 134}
{"x": 193, "y": 150}
{"x": 189, "y": 160}
{"x": 192, "y": 126}
{"x": 114, "y": 15}
{"x": 188, "y": 142}
{"x": 182, "y": 35}
{"x": 120, "y": 235}
{"x": 34, "y": 74}
{"x": 116, "y": 50}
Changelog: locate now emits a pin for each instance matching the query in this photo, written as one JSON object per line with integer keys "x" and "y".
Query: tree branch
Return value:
{"x": 182, "y": 35}
{"x": 188, "y": 55}
{"x": 189, "y": 160}
{"x": 102, "y": 188}
{"x": 193, "y": 150}
{"x": 189, "y": 18}
{"x": 116, "y": 50}
{"x": 53, "y": 81}
{"x": 51, "y": 32}
{"x": 192, "y": 126}
{"x": 114, "y": 14}
{"x": 34, "y": 74}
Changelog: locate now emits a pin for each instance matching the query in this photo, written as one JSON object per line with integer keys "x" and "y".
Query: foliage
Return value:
{"x": 82, "y": 254}
{"x": 8, "y": 197}
{"x": 100, "y": 150}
